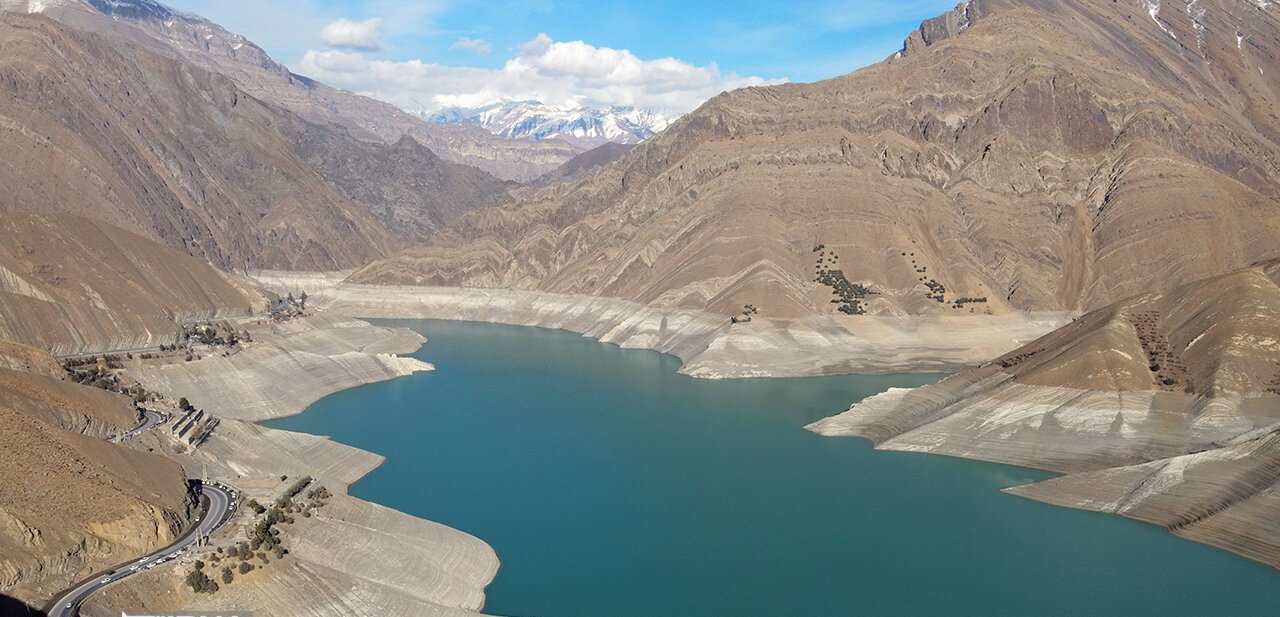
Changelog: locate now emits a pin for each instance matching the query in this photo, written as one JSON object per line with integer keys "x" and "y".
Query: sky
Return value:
{"x": 666, "y": 56}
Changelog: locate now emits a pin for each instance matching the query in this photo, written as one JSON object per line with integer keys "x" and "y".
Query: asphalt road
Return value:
{"x": 217, "y": 504}
{"x": 150, "y": 419}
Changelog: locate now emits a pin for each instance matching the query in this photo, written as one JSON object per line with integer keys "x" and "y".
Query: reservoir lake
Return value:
{"x": 610, "y": 485}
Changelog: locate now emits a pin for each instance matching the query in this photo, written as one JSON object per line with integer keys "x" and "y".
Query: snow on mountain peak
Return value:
{"x": 534, "y": 120}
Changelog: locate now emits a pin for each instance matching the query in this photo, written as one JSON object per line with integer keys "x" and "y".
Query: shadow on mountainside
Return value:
{"x": 13, "y": 607}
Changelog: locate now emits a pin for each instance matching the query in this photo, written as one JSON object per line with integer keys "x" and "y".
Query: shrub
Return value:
{"x": 200, "y": 582}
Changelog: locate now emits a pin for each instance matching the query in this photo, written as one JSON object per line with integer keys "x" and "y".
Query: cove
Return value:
{"x": 610, "y": 485}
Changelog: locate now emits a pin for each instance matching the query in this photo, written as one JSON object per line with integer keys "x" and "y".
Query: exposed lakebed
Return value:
{"x": 610, "y": 485}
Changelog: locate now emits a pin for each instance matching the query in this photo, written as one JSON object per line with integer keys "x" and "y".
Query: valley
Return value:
{"x": 1072, "y": 209}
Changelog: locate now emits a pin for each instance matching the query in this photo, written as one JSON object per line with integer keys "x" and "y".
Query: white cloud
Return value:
{"x": 480, "y": 46}
{"x": 557, "y": 73}
{"x": 366, "y": 35}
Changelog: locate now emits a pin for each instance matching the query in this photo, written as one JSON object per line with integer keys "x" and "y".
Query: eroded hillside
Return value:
{"x": 199, "y": 42}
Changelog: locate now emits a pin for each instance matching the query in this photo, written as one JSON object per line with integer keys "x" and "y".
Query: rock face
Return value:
{"x": 584, "y": 163}
{"x": 70, "y": 284}
{"x": 204, "y": 44}
{"x": 1041, "y": 155}
{"x": 406, "y": 187}
{"x": 1162, "y": 407}
{"x": 70, "y": 503}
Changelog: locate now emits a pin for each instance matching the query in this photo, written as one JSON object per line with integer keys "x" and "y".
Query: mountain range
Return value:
{"x": 201, "y": 43}
{"x": 579, "y": 125}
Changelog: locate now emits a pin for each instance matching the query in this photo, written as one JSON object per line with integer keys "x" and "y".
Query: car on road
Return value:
{"x": 105, "y": 580}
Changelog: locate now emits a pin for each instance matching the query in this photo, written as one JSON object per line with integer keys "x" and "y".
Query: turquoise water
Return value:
{"x": 611, "y": 486}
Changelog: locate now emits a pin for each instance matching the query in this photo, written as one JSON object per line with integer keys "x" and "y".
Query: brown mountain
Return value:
{"x": 1040, "y": 155}
{"x": 584, "y": 163}
{"x": 405, "y": 186}
{"x": 197, "y": 41}
{"x": 175, "y": 152}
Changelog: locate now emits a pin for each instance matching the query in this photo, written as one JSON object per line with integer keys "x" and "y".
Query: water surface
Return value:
{"x": 611, "y": 486}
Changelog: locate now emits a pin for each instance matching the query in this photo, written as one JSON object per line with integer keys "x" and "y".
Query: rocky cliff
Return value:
{"x": 1022, "y": 156}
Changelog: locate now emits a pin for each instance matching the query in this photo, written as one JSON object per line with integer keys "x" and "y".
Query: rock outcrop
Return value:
{"x": 70, "y": 503}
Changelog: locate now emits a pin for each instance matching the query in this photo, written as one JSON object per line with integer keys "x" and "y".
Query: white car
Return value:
{"x": 105, "y": 580}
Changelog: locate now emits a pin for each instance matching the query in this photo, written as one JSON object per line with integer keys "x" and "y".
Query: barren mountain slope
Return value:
{"x": 94, "y": 127}
{"x": 1164, "y": 407}
{"x": 405, "y": 186}
{"x": 177, "y": 153}
{"x": 200, "y": 42}
{"x": 1040, "y": 155}
{"x": 70, "y": 284}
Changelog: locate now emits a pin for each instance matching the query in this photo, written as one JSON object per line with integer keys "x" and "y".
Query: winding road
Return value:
{"x": 150, "y": 420}
{"x": 217, "y": 504}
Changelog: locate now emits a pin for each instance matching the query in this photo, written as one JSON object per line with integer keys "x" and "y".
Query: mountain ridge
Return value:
{"x": 1054, "y": 161}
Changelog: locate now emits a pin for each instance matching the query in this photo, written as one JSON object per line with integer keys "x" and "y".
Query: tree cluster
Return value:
{"x": 199, "y": 581}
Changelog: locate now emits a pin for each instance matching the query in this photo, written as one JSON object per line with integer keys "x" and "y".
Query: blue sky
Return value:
{"x": 664, "y": 55}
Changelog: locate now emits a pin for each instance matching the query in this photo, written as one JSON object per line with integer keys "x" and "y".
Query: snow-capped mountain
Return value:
{"x": 533, "y": 120}
{"x": 129, "y": 9}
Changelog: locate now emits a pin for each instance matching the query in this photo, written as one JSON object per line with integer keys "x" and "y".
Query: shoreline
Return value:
{"x": 300, "y": 362}
{"x": 1128, "y": 453}
{"x": 423, "y": 568}
{"x": 707, "y": 344}
{"x": 709, "y": 347}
